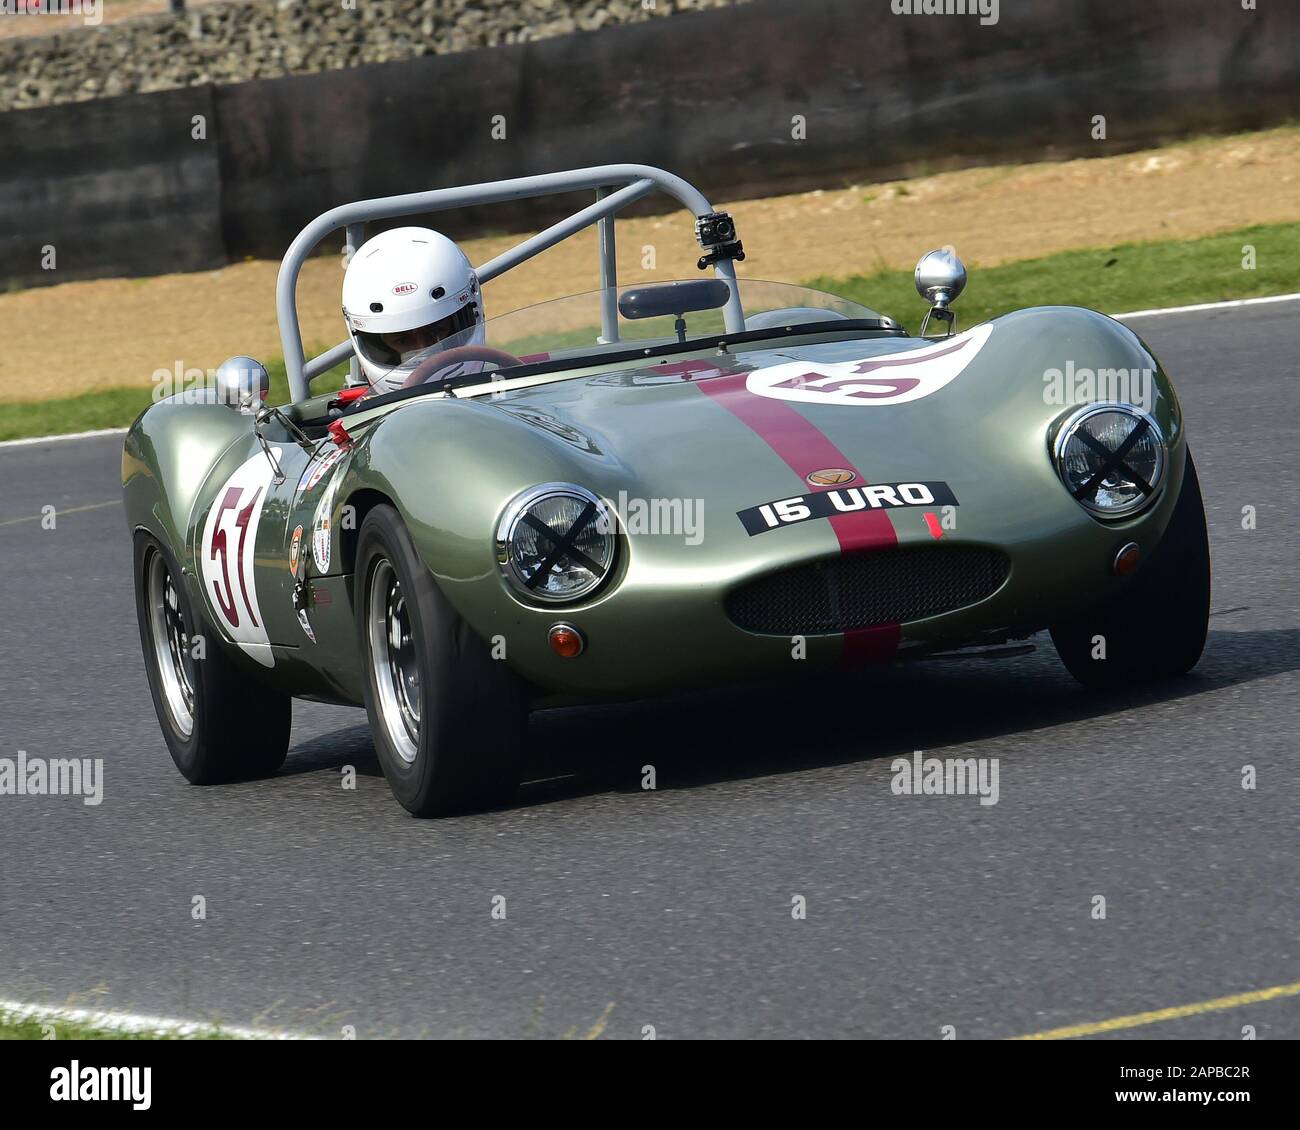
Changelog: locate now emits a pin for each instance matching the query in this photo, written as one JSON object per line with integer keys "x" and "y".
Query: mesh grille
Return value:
{"x": 862, "y": 590}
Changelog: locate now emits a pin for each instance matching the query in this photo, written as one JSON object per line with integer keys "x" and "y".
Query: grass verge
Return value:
{"x": 118, "y": 407}
{"x": 1112, "y": 279}
{"x": 1133, "y": 276}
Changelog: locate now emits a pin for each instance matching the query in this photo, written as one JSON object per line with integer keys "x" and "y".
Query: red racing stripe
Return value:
{"x": 805, "y": 449}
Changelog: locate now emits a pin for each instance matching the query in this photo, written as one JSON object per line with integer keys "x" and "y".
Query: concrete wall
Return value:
{"x": 115, "y": 187}
{"x": 711, "y": 95}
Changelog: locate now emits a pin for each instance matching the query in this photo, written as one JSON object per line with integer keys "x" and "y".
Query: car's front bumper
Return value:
{"x": 663, "y": 624}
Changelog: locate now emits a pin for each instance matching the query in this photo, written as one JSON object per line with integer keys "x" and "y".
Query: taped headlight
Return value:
{"x": 555, "y": 542}
{"x": 1111, "y": 458}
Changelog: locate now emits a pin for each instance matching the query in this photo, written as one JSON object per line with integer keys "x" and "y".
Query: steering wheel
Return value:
{"x": 425, "y": 369}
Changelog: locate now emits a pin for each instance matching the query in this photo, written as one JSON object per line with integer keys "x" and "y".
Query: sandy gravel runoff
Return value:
{"x": 83, "y": 336}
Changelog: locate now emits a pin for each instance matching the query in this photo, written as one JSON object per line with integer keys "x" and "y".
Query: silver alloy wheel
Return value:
{"x": 170, "y": 645}
{"x": 393, "y": 660}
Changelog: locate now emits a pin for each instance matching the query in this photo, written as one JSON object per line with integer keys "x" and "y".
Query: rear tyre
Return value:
{"x": 219, "y": 723}
{"x": 448, "y": 719}
{"x": 1155, "y": 629}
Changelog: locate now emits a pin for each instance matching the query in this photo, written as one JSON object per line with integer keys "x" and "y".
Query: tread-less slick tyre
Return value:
{"x": 1156, "y": 629}
{"x": 448, "y": 719}
{"x": 219, "y": 724}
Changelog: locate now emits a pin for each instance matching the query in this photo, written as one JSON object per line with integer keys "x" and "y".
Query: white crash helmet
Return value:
{"x": 409, "y": 293}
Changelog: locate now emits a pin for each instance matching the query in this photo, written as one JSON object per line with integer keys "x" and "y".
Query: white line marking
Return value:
{"x": 1226, "y": 305}
{"x": 68, "y": 435}
{"x": 59, "y": 513}
{"x": 134, "y": 1022}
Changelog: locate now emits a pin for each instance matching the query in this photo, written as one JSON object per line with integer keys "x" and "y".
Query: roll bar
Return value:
{"x": 616, "y": 186}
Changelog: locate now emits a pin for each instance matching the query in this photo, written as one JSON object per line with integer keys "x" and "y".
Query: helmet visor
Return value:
{"x": 394, "y": 356}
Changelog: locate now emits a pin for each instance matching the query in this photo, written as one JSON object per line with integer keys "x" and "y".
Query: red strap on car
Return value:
{"x": 348, "y": 395}
{"x": 339, "y": 434}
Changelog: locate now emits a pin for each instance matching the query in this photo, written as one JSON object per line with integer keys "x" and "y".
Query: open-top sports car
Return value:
{"x": 639, "y": 489}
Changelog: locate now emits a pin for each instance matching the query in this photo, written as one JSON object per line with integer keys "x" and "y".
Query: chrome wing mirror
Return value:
{"x": 242, "y": 384}
{"x": 940, "y": 278}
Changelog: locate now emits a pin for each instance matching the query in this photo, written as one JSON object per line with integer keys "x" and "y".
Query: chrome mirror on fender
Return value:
{"x": 940, "y": 278}
{"x": 242, "y": 384}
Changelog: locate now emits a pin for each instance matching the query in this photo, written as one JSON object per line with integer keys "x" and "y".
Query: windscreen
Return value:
{"x": 574, "y": 323}
{"x": 572, "y": 328}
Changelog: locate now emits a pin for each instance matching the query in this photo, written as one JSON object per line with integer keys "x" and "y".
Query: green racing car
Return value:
{"x": 637, "y": 490}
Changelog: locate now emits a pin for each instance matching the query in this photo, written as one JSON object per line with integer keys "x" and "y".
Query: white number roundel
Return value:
{"x": 891, "y": 378}
{"x": 226, "y": 557}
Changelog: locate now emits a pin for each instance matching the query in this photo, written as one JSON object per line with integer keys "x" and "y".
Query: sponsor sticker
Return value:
{"x": 320, "y": 537}
{"x": 319, "y": 469}
{"x": 300, "y": 606}
{"x": 847, "y": 500}
{"x": 405, "y": 288}
{"x": 320, "y": 544}
{"x": 295, "y": 549}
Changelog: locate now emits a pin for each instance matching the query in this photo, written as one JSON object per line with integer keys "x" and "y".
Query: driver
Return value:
{"x": 408, "y": 294}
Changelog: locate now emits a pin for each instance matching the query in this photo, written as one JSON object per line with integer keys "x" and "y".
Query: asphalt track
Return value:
{"x": 625, "y": 908}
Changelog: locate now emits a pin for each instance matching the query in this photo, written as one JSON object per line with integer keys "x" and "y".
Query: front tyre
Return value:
{"x": 448, "y": 720}
{"x": 219, "y": 723}
{"x": 1155, "y": 629}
